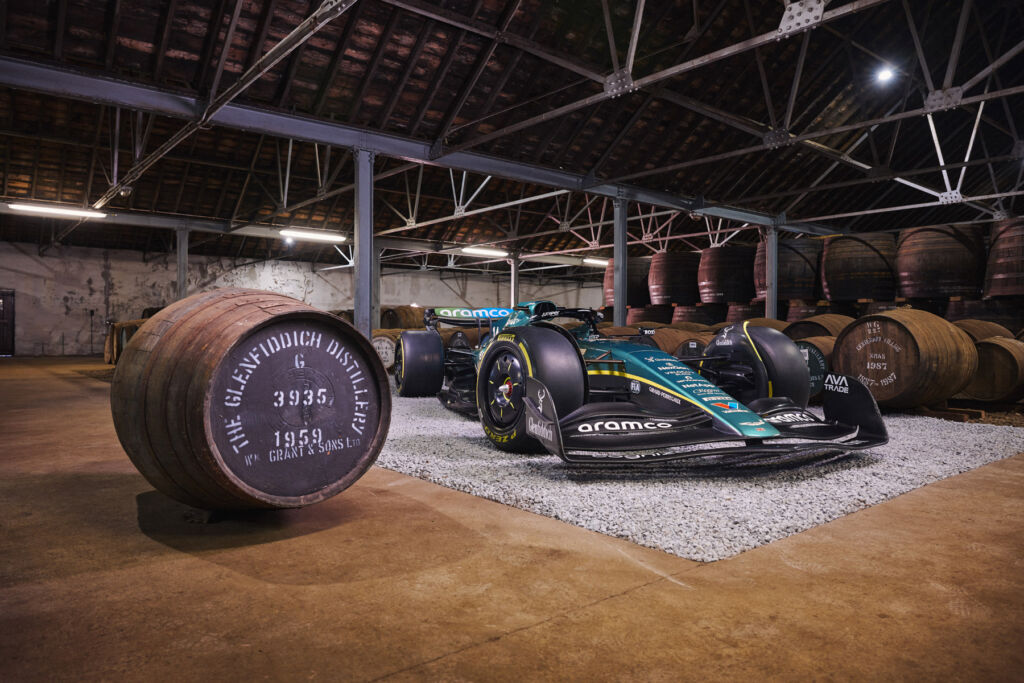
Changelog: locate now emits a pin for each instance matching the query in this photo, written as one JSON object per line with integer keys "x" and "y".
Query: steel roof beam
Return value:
{"x": 15, "y": 73}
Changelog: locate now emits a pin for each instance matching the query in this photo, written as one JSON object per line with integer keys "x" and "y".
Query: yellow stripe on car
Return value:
{"x": 619, "y": 373}
{"x": 759, "y": 359}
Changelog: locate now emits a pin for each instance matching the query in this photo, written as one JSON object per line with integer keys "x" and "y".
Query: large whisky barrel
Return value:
{"x": 817, "y": 353}
{"x": 661, "y": 313}
{"x": 693, "y": 345}
{"x": 690, "y": 327}
{"x": 941, "y": 261}
{"x": 401, "y": 317}
{"x": 1000, "y": 373}
{"x": 906, "y": 358}
{"x": 468, "y": 337}
{"x": 238, "y": 398}
{"x": 978, "y": 330}
{"x": 1004, "y": 274}
{"x": 637, "y": 269}
{"x": 673, "y": 277}
{"x": 738, "y": 312}
{"x": 706, "y": 314}
{"x": 860, "y": 266}
{"x": 384, "y": 342}
{"x": 726, "y": 274}
{"x": 668, "y": 339}
{"x": 825, "y": 325}
{"x": 799, "y": 309}
{"x": 797, "y": 269}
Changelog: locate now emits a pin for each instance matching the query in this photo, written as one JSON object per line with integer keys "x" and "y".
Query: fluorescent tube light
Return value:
{"x": 57, "y": 210}
{"x": 481, "y": 251}
{"x": 316, "y": 235}
{"x": 596, "y": 262}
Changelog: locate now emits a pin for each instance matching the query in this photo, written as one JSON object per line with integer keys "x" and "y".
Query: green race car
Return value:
{"x": 596, "y": 399}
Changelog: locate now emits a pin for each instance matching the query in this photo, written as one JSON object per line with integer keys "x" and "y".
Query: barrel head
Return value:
{"x": 295, "y": 410}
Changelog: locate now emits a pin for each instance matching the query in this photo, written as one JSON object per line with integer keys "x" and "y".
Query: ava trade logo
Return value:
{"x": 473, "y": 312}
{"x": 730, "y": 405}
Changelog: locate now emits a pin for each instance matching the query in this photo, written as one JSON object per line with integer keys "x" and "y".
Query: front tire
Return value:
{"x": 501, "y": 383}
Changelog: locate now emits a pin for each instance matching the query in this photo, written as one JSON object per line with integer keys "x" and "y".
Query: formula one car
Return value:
{"x": 591, "y": 398}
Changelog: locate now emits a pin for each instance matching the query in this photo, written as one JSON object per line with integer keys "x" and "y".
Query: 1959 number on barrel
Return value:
{"x": 294, "y": 408}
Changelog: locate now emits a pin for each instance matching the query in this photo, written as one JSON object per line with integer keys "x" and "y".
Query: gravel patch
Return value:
{"x": 687, "y": 512}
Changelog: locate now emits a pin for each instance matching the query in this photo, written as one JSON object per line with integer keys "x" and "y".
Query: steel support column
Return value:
{"x": 619, "y": 252}
{"x": 771, "y": 272}
{"x": 182, "y": 264}
{"x": 367, "y": 259}
{"x": 514, "y": 275}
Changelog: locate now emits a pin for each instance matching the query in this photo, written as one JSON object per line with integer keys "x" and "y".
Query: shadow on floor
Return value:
{"x": 361, "y": 534}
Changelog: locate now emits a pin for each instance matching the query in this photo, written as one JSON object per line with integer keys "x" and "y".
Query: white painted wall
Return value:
{"x": 54, "y": 293}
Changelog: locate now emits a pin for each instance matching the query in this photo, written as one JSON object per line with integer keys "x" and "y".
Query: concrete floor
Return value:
{"x": 399, "y": 579}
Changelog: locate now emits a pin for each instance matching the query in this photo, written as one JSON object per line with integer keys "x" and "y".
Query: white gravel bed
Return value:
{"x": 699, "y": 516}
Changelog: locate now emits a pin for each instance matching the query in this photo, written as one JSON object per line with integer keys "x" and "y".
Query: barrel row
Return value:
{"x": 906, "y": 357}
{"x": 385, "y": 341}
{"x": 941, "y": 262}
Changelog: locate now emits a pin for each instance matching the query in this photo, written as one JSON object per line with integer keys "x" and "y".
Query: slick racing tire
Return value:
{"x": 512, "y": 356}
{"x": 762, "y": 363}
{"x": 419, "y": 363}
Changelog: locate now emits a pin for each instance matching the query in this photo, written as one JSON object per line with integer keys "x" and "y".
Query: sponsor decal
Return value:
{"x": 752, "y": 424}
{"x": 646, "y": 331}
{"x": 620, "y": 426}
{"x": 730, "y": 405}
{"x": 665, "y": 395}
{"x": 634, "y": 386}
{"x": 790, "y": 417}
{"x": 541, "y": 430}
{"x": 723, "y": 341}
{"x": 505, "y": 337}
{"x": 473, "y": 312}
{"x": 837, "y": 383}
{"x": 541, "y": 395}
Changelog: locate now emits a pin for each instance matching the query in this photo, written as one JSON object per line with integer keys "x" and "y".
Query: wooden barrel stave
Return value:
{"x": 653, "y": 313}
{"x": 673, "y": 278}
{"x": 1000, "y": 374}
{"x": 940, "y": 262}
{"x": 824, "y": 325}
{"x": 637, "y": 270}
{"x": 859, "y": 266}
{"x": 1004, "y": 273}
{"x": 798, "y": 263}
{"x": 726, "y": 274}
{"x": 978, "y": 330}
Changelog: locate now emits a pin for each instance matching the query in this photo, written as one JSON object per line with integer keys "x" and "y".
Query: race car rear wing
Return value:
{"x": 464, "y": 317}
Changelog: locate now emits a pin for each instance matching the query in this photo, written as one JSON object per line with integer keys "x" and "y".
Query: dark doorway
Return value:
{"x": 6, "y": 322}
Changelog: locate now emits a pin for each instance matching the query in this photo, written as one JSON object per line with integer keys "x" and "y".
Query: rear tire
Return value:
{"x": 514, "y": 355}
{"x": 419, "y": 364}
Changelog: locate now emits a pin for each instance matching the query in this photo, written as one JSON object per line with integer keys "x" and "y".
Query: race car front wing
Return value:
{"x": 621, "y": 433}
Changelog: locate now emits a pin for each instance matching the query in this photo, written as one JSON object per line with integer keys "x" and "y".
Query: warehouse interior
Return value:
{"x": 367, "y": 157}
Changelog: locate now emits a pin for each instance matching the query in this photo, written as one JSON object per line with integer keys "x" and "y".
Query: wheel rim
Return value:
{"x": 505, "y": 389}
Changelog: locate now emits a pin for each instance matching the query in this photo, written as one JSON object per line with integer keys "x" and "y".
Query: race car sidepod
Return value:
{"x": 623, "y": 433}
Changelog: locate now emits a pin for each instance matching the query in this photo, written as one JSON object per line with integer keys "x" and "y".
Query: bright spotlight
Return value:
{"x": 885, "y": 74}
